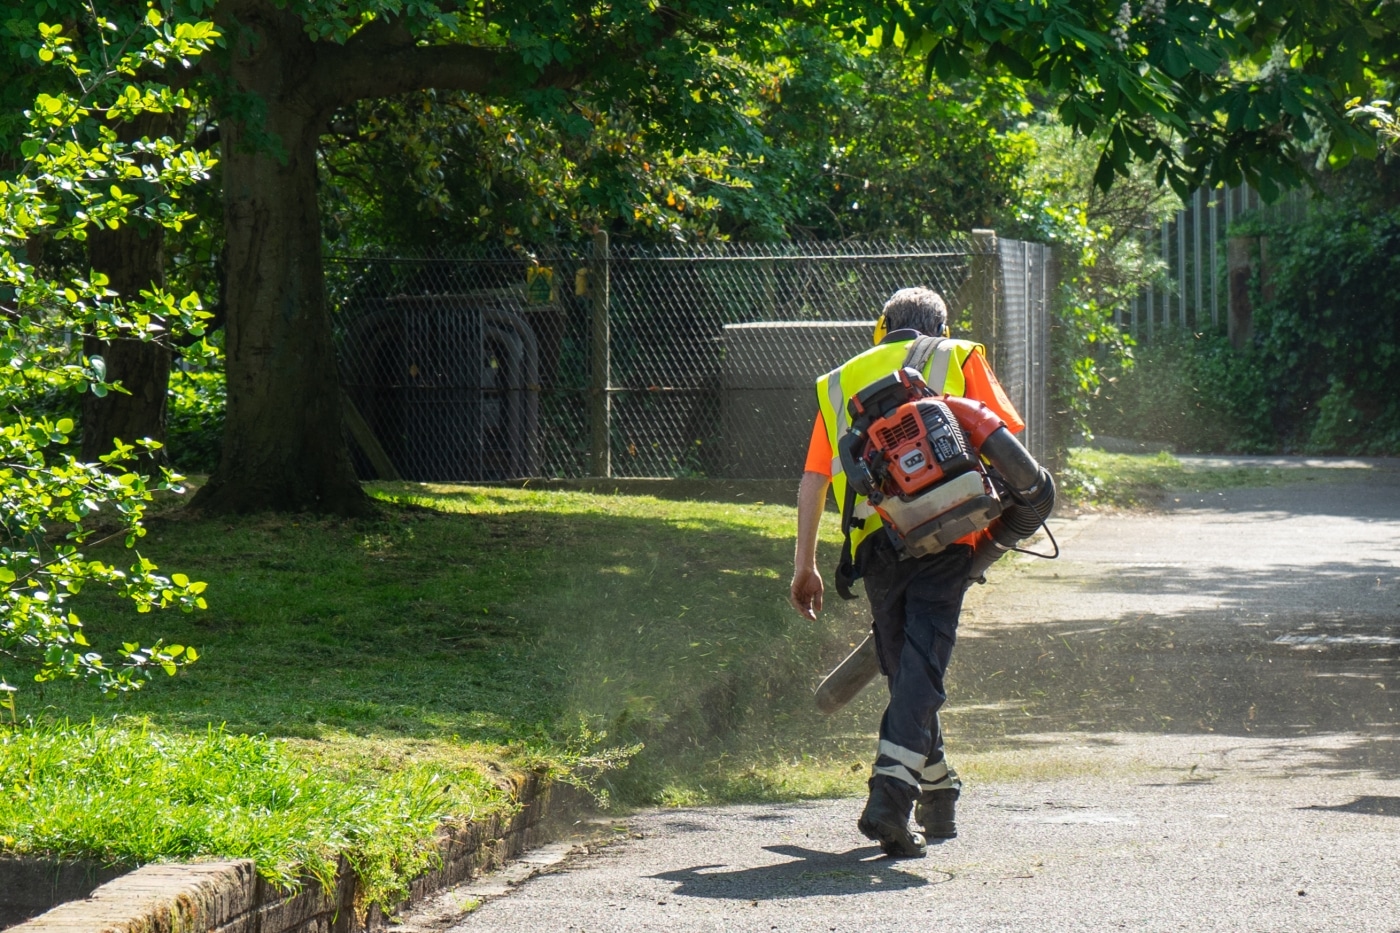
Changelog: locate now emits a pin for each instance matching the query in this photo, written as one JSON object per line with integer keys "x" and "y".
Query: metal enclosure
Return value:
{"x": 768, "y": 390}
{"x": 448, "y": 385}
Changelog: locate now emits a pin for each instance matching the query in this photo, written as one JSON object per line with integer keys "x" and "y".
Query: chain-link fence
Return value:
{"x": 621, "y": 361}
{"x": 1019, "y": 338}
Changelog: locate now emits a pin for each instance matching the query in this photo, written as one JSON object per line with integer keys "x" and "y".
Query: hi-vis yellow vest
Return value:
{"x": 943, "y": 373}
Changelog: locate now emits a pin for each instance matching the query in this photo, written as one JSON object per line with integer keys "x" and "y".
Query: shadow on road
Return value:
{"x": 810, "y": 874}
{"x": 1368, "y": 805}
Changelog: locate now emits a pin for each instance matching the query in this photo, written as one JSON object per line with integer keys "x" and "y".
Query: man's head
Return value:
{"x": 918, "y": 308}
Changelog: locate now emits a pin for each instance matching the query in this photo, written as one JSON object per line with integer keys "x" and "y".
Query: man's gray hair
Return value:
{"x": 919, "y": 308}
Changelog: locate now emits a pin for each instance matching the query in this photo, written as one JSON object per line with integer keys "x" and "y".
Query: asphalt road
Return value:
{"x": 1209, "y": 692}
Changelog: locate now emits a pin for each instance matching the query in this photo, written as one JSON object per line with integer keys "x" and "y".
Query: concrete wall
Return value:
{"x": 28, "y": 887}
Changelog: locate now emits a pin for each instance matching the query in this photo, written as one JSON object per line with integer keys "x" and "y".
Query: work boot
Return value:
{"x": 886, "y": 820}
{"x": 934, "y": 812}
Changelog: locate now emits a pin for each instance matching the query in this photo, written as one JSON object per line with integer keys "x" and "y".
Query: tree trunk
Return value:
{"x": 131, "y": 257}
{"x": 283, "y": 445}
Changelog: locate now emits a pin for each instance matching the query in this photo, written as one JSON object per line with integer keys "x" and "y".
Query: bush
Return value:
{"x": 73, "y": 173}
{"x": 1322, "y": 374}
{"x": 1329, "y": 340}
{"x": 1190, "y": 390}
{"x": 195, "y": 420}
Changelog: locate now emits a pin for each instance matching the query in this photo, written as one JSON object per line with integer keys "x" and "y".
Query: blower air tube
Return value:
{"x": 1012, "y": 460}
{"x": 848, "y": 678}
{"x": 1031, "y": 503}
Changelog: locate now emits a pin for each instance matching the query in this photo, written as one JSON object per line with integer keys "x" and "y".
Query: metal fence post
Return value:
{"x": 1198, "y": 201}
{"x": 600, "y": 337}
{"x": 982, "y": 285}
{"x": 1240, "y": 261}
{"x": 1215, "y": 260}
{"x": 1166, "y": 283}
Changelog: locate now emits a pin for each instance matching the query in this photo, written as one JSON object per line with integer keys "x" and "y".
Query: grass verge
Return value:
{"x": 1098, "y": 478}
{"x": 133, "y": 794}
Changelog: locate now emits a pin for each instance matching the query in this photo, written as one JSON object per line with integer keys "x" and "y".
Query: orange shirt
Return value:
{"x": 982, "y": 386}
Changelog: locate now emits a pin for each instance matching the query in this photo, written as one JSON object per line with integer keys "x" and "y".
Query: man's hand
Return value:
{"x": 806, "y": 592}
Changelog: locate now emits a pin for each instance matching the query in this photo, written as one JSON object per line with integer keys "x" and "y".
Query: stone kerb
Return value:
{"x": 230, "y": 897}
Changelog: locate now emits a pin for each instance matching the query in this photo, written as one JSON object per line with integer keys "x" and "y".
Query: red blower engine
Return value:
{"x": 918, "y": 457}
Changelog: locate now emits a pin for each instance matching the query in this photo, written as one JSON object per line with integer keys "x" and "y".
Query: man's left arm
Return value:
{"x": 805, "y": 594}
{"x": 981, "y": 385}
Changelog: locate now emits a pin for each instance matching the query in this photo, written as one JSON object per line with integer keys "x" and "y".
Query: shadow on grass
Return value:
{"x": 602, "y": 623}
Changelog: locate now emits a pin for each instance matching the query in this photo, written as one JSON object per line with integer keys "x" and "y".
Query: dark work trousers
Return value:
{"x": 916, "y": 603}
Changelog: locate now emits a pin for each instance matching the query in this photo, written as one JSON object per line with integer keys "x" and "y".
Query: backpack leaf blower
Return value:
{"x": 936, "y": 468}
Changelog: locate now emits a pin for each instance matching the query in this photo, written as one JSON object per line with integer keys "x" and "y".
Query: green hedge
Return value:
{"x": 195, "y": 420}
{"x": 1322, "y": 374}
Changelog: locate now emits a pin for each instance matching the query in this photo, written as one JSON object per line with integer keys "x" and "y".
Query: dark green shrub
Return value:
{"x": 1322, "y": 374}
{"x": 1329, "y": 338}
{"x": 1190, "y": 390}
{"x": 195, "y": 420}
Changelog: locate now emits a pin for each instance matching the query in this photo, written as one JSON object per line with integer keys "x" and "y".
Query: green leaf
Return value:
{"x": 64, "y": 426}
{"x": 1013, "y": 61}
{"x": 7, "y": 575}
{"x": 1174, "y": 62}
{"x": 1103, "y": 174}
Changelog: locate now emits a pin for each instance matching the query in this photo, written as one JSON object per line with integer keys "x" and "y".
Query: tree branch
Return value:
{"x": 371, "y": 68}
{"x": 380, "y": 34}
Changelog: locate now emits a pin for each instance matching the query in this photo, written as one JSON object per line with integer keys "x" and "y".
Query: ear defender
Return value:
{"x": 882, "y": 327}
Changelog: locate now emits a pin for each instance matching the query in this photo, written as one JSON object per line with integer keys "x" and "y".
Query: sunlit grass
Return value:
{"x": 125, "y": 793}
{"x": 1095, "y": 477}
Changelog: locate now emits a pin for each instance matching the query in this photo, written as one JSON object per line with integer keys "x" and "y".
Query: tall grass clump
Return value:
{"x": 126, "y": 795}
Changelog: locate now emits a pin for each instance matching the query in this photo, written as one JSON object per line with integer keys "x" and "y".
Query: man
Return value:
{"x": 915, "y": 601}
